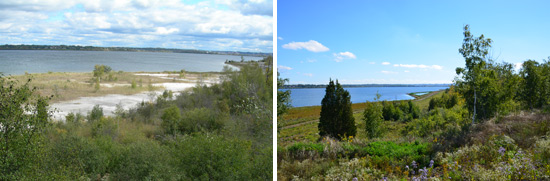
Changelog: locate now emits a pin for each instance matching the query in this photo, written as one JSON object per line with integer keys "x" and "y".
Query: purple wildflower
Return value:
{"x": 502, "y": 150}
{"x": 413, "y": 164}
{"x": 431, "y": 163}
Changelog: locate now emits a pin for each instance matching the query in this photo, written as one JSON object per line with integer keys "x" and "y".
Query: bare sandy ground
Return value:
{"x": 109, "y": 102}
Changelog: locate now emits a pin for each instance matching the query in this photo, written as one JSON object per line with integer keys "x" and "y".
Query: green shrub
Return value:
{"x": 170, "y": 119}
{"x": 95, "y": 114}
{"x": 201, "y": 119}
{"x": 210, "y": 157}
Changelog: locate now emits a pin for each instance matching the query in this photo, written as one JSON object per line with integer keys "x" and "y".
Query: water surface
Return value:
{"x": 313, "y": 96}
{"x": 16, "y": 62}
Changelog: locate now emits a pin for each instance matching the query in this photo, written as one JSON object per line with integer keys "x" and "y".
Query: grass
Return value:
{"x": 300, "y": 123}
{"x": 66, "y": 86}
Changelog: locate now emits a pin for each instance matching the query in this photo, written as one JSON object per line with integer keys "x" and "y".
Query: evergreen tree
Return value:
{"x": 336, "y": 114}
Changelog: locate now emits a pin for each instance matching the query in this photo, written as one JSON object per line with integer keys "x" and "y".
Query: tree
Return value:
{"x": 171, "y": 119}
{"x": 96, "y": 113}
{"x": 283, "y": 97}
{"x": 23, "y": 118}
{"x": 531, "y": 83}
{"x": 487, "y": 87}
{"x": 98, "y": 72}
{"x": 373, "y": 117}
{"x": 474, "y": 50}
{"x": 336, "y": 115}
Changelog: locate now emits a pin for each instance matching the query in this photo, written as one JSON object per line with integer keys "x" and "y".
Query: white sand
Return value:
{"x": 108, "y": 102}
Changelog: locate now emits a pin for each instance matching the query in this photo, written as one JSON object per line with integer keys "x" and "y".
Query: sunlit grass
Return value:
{"x": 70, "y": 85}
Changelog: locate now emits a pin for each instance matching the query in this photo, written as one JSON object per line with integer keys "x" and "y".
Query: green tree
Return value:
{"x": 474, "y": 50}
{"x": 530, "y": 92}
{"x": 170, "y": 119}
{"x": 373, "y": 117}
{"x": 99, "y": 71}
{"x": 283, "y": 97}
{"x": 336, "y": 114}
{"x": 95, "y": 114}
{"x": 23, "y": 118}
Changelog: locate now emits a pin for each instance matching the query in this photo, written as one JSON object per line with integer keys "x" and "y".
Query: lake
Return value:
{"x": 16, "y": 62}
{"x": 313, "y": 96}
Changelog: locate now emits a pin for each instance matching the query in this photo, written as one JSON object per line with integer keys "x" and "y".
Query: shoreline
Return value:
{"x": 73, "y": 92}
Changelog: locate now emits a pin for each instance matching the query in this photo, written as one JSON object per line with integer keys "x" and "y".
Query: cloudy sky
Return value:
{"x": 232, "y": 25}
{"x": 360, "y": 42}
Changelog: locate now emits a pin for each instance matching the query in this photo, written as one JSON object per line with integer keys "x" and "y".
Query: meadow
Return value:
{"x": 220, "y": 131}
{"x": 66, "y": 86}
{"x": 440, "y": 145}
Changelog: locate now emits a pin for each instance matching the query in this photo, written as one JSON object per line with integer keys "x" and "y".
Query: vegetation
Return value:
{"x": 93, "y": 48}
{"x": 493, "y": 124}
{"x": 217, "y": 132}
{"x": 336, "y": 119}
{"x": 70, "y": 86}
{"x": 283, "y": 97}
{"x": 373, "y": 117}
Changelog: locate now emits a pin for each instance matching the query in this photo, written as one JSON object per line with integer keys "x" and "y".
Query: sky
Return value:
{"x": 225, "y": 25}
{"x": 401, "y": 42}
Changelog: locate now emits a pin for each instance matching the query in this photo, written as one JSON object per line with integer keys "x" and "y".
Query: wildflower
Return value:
{"x": 355, "y": 179}
{"x": 413, "y": 164}
{"x": 424, "y": 175}
{"x": 502, "y": 150}
{"x": 407, "y": 167}
{"x": 431, "y": 163}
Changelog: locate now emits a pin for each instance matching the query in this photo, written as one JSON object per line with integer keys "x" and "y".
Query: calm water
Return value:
{"x": 313, "y": 97}
{"x": 16, "y": 62}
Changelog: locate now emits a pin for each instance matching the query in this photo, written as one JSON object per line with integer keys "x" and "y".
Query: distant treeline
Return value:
{"x": 93, "y": 48}
{"x": 303, "y": 86}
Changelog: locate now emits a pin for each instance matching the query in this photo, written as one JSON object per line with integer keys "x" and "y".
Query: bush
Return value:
{"x": 23, "y": 118}
{"x": 95, "y": 114}
{"x": 373, "y": 119}
{"x": 170, "y": 119}
{"x": 201, "y": 119}
{"x": 211, "y": 157}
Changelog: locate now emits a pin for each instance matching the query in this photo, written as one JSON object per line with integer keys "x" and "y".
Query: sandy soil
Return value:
{"x": 84, "y": 105}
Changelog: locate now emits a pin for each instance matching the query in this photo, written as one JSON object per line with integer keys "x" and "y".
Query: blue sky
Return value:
{"x": 231, "y": 25}
{"x": 359, "y": 42}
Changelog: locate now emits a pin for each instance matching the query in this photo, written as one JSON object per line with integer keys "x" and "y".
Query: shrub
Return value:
{"x": 210, "y": 157}
{"x": 23, "y": 118}
{"x": 96, "y": 113}
{"x": 201, "y": 119}
{"x": 373, "y": 118}
{"x": 170, "y": 119}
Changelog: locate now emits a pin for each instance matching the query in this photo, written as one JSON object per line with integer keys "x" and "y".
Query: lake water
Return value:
{"x": 16, "y": 62}
{"x": 313, "y": 96}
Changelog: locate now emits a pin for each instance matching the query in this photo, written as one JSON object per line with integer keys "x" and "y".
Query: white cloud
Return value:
{"x": 139, "y": 23}
{"x": 310, "y": 45}
{"x": 308, "y": 74}
{"x": 385, "y": 63}
{"x": 311, "y": 60}
{"x": 387, "y": 72}
{"x": 251, "y": 7}
{"x": 338, "y": 57}
{"x": 437, "y": 67}
{"x": 280, "y": 38}
{"x": 282, "y": 67}
{"x": 406, "y": 71}
{"x": 518, "y": 66}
